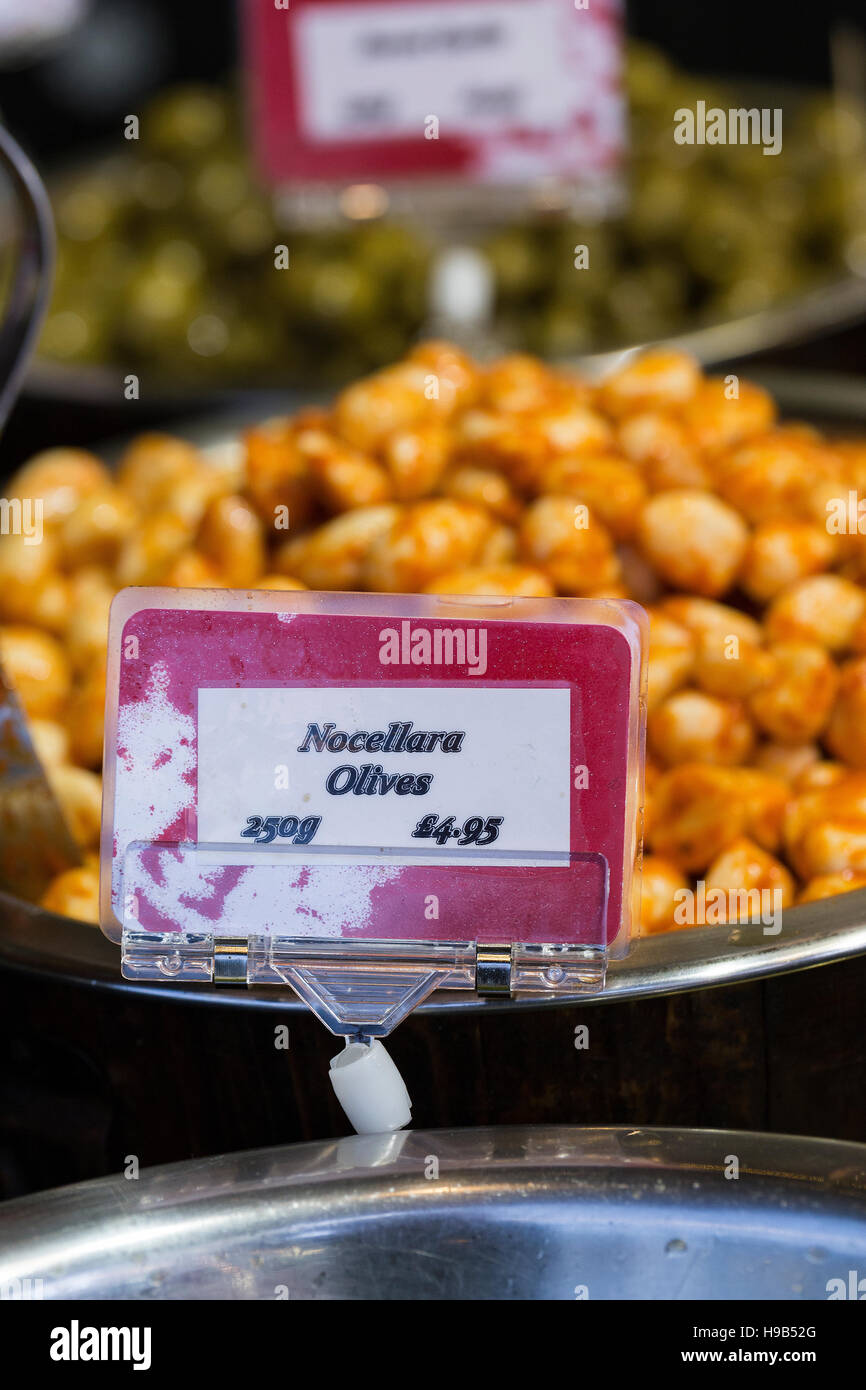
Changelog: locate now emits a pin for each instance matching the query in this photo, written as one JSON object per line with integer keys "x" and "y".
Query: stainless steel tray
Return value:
{"x": 516, "y": 1213}
{"x": 825, "y": 309}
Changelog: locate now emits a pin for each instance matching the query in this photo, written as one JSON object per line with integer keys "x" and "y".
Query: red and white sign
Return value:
{"x": 324, "y": 765}
{"x": 496, "y": 91}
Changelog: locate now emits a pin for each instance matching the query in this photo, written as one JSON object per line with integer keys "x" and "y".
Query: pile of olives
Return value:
{"x": 168, "y": 259}
{"x": 710, "y": 232}
{"x": 167, "y": 248}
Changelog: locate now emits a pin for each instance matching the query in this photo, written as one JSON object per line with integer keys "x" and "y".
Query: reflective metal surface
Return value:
{"x": 40, "y": 943}
{"x": 523, "y": 1213}
{"x": 825, "y": 309}
{"x": 27, "y": 294}
{"x": 819, "y": 311}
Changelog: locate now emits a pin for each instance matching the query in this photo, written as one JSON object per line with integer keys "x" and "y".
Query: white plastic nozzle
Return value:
{"x": 462, "y": 288}
{"x": 370, "y": 1088}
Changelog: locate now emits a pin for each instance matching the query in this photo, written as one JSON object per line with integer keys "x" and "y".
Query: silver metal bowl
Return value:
{"x": 38, "y": 942}
{"x": 522, "y": 1213}
{"x": 41, "y": 944}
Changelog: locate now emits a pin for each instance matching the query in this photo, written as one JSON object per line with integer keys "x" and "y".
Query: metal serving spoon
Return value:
{"x": 35, "y": 842}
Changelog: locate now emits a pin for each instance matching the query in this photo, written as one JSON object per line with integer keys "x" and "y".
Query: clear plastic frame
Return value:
{"x": 351, "y": 777}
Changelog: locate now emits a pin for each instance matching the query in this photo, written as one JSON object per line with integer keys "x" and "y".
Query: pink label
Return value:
{"x": 500, "y": 91}
{"x": 352, "y": 774}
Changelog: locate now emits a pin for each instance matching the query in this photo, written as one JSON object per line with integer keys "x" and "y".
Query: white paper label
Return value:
{"x": 383, "y": 70}
{"x": 421, "y": 768}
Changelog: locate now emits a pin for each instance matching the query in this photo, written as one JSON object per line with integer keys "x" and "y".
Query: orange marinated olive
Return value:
{"x": 333, "y": 556}
{"x": 504, "y": 581}
{"x": 79, "y": 794}
{"x": 151, "y": 549}
{"x": 819, "y": 774}
{"x": 31, "y": 589}
{"x": 517, "y": 384}
{"x": 86, "y": 631}
{"x": 790, "y": 761}
{"x": 830, "y": 885}
{"x": 671, "y": 657}
{"x": 571, "y": 429}
{"x": 426, "y": 539}
{"x": 699, "y": 810}
{"x": 231, "y": 538}
{"x": 693, "y": 539}
{"x": 515, "y": 448}
{"x": 728, "y": 667}
{"x": 93, "y": 533}
{"x": 661, "y": 882}
{"x": 566, "y": 541}
{"x": 483, "y": 487}
{"x": 277, "y": 475}
{"x": 845, "y": 734}
{"x": 366, "y": 413}
{"x": 695, "y": 815}
{"x": 660, "y": 380}
{"x": 162, "y": 474}
{"x": 59, "y": 479}
{"x": 415, "y": 459}
{"x": 74, "y": 893}
{"x": 725, "y": 411}
{"x": 779, "y": 553}
{"x": 50, "y": 741}
{"x": 84, "y": 714}
{"x": 702, "y": 615}
{"x": 343, "y": 477}
{"x": 793, "y": 705}
{"x": 691, "y": 726}
{"x": 763, "y": 800}
{"x": 769, "y": 479}
{"x": 452, "y": 380}
{"x": 825, "y": 827}
{"x": 825, "y": 609}
{"x": 500, "y": 547}
{"x": 756, "y": 884}
{"x": 192, "y": 570}
{"x": 664, "y": 450}
{"x": 279, "y": 581}
{"x": 831, "y": 846}
{"x": 38, "y": 668}
{"x": 612, "y": 488}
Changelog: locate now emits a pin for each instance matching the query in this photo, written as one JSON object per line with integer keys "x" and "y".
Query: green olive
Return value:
{"x": 187, "y": 122}
{"x": 517, "y": 264}
{"x": 89, "y": 206}
{"x": 74, "y": 331}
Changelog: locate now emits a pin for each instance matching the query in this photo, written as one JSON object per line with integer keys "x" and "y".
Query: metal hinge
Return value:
{"x": 493, "y": 970}
{"x": 230, "y": 960}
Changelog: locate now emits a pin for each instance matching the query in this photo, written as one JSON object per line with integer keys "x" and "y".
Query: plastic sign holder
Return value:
{"x": 437, "y": 97}
{"x": 368, "y": 797}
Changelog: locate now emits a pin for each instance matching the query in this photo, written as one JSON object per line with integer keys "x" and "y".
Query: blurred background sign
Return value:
{"x": 493, "y": 91}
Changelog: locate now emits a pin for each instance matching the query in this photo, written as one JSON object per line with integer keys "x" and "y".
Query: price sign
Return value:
{"x": 371, "y": 766}
{"x": 497, "y": 91}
